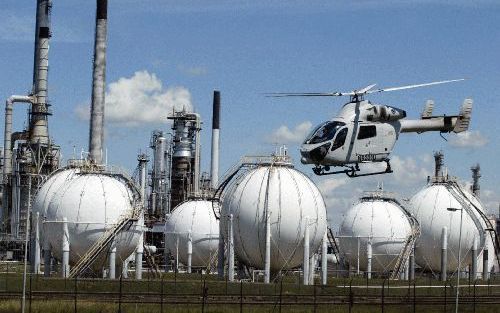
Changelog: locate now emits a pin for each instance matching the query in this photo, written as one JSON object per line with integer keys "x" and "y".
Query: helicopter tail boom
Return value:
{"x": 457, "y": 123}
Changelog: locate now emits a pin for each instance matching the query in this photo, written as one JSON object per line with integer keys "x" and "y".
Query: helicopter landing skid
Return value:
{"x": 351, "y": 171}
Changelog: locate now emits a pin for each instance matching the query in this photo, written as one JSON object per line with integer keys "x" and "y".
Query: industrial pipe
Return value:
{"x": 412, "y": 263}
{"x": 189, "y": 252}
{"x": 305, "y": 265}
{"x": 486, "y": 270}
{"x": 138, "y": 256}
{"x": 214, "y": 169}
{"x": 267, "y": 256}
{"x": 46, "y": 253}
{"x": 65, "y": 249}
{"x": 324, "y": 260}
{"x": 444, "y": 253}
{"x": 196, "y": 178}
{"x": 474, "y": 259}
{"x": 230, "y": 263}
{"x": 96, "y": 140}
{"x": 36, "y": 244}
{"x": 369, "y": 254}
{"x": 112, "y": 260}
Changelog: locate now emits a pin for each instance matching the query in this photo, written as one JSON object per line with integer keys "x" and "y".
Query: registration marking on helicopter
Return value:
{"x": 366, "y": 157}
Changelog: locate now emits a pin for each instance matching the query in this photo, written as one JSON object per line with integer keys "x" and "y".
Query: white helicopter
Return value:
{"x": 364, "y": 132}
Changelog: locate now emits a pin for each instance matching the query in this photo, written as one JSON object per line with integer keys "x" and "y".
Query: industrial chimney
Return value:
{"x": 214, "y": 170}
{"x": 39, "y": 133}
{"x": 438, "y": 159}
{"x": 476, "y": 174}
{"x": 96, "y": 137}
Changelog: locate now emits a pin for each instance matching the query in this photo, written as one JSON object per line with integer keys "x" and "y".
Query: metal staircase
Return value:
{"x": 333, "y": 243}
{"x": 150, "y": 260}
{"x": 104, "y": 241}
{"x": 407, "y": 249}
{"x": 457, "y": 192}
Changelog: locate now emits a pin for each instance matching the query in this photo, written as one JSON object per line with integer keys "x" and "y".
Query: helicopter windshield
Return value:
{"x": 323, "y": 132}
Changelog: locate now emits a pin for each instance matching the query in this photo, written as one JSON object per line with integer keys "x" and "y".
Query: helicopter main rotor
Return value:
{"x": 357, "y": 94}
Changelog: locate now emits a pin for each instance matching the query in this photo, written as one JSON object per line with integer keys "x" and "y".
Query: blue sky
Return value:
{"x": 170, "y": 53}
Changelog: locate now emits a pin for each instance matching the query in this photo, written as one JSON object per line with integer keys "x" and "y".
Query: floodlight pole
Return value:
{"x": 459, "y": 249}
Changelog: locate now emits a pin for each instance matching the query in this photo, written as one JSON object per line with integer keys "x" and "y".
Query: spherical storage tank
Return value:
{"x": 378, "y": 220}
{"x": 91, "y": 203}
{"x": 289, "y": 197}
{"x": 430, "y": 206}
{"x": 50, "y": 187}
{"x": 193, "y": 218}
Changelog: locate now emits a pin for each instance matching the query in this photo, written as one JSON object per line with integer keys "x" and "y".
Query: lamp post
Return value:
{"x": 459, "y": 248}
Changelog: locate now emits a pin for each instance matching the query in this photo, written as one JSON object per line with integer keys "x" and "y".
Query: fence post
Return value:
{"x": 241, "y": 296}
{"x": 414, "y": 296}
{"x": 76, "y": 293}
{"x": 31, "y": 276}
{"x": 120, "y": 296}
{"x": 281, "y": 293}
{"x": 161, "y": 296}
{"x": 204, "y": 295}
{"x": 383, "y": 295}
{"x": 445, "y": 295}
{"x": 474, "y": 301}
{"x": 351, "y": 296}
{"x": 314, "y": 293}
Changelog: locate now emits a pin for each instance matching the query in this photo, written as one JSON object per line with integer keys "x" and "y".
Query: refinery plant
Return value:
{"x": 262, "y": 221}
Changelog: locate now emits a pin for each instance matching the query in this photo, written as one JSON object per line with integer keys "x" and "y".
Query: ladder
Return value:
{"x": 333, "y": 243}
{"x": 150, "y": 260}
{"x": 103, "y": 242}
{"x": 407, "y": 249}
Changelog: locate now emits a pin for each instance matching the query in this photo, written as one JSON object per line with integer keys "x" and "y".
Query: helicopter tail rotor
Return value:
{"x": 464, "y": 117}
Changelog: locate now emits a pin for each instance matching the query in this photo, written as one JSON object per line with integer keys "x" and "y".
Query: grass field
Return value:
{"x": 206, "y": 293}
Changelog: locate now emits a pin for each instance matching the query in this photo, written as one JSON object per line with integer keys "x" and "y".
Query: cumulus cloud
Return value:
{"x": 468, "y": 139}
{"x": 285, "y": 135}
{"x": 140, "y": 99}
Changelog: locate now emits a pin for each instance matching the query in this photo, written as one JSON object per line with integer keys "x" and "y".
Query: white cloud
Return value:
{"x": 284, "y": 135}
{"x": 140, "y": 99}
{"x": 468, "y": 139}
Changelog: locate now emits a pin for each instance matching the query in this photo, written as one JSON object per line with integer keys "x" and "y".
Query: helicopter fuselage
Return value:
{"x": 362, "y": 132}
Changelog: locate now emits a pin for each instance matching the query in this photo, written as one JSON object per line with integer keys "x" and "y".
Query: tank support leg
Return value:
{"x": 305, "y": 265}
{"x": 444, "y": 253}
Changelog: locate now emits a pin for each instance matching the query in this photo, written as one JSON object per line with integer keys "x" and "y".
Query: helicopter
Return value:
{"x": 365, "y": 132}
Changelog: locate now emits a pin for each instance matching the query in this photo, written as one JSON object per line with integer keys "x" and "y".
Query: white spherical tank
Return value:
{"x": 91, "y": 203}
{"x": 193, "y": 218}
{"x": 429, "y": 206}
{"x": 289, "y": 197}
{"x": 50, "y": 187}
{"x": 381, "y": 222}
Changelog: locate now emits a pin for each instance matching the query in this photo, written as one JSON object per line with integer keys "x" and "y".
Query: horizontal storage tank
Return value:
{"x": 193, "y": 218}
{"x": 430, "y": 206}
{"x": 290, "y": 198}
{"x": 381, "y": 220}
{"x": 92, "y": 203}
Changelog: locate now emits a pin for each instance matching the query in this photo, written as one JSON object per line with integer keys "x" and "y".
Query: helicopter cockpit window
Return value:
{"x": 340, "y": 139}
{"x": 367, "y": 132}
{"x": 324, "y": 132}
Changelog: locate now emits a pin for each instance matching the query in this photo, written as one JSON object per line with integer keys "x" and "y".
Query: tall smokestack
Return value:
{"x": 96, "y": 137}
{"x": 438, "y": 159}
{"x": 214, "y": 170}
{"x": 476, "y": 174}
{"x": 39, "y": 132}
